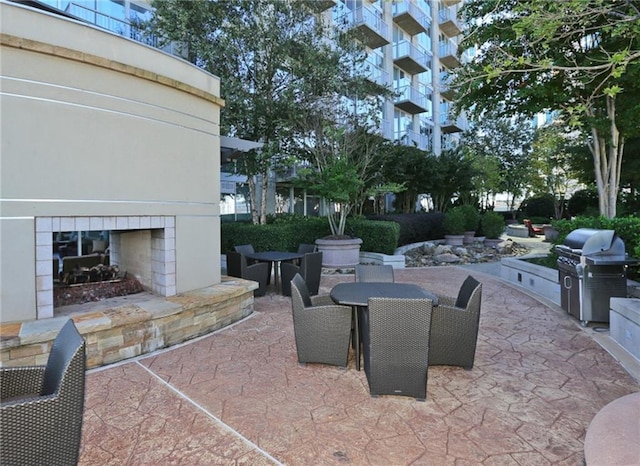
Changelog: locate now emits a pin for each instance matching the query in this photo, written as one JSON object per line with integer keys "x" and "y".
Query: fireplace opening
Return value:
{"x": 115, "y": 256}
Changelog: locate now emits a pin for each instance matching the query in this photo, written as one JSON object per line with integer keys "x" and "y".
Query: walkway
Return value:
{"x": 239, "y": 396}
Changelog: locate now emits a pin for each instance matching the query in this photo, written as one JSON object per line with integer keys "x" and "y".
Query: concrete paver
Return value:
{"x": 239, "y": 396}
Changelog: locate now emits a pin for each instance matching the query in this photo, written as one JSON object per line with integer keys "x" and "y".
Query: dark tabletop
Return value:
{"x": 358, "y": 293}
{"x": 274, "y": 256}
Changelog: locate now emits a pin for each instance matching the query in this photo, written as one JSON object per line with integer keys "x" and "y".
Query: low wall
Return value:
{"x": 535, "y": 278}
{"x": 624, "y": 324}
{"x": 397, "y": 260}
{"x": 130, "y": 330}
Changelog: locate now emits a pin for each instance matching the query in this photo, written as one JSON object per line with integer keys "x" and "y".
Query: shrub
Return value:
{"x": 415, "y": 227}
{"x": 492, "y": 224}
{"x": 454, "y": 223}
{"x": 539, "y": 206}
{"x": 471, "y": 217}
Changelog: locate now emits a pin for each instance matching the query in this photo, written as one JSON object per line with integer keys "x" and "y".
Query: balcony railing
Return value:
{"x": 445, "y": 89}
{"x": 452, "y": 125}
{"x": 448, "y": 54}
{"x": 413, "y": 138}
{"x": 449, "y": 24}
{"x": 374, "y": 30}
{"x": 411, "y": 100}
{"x": 120, "y": 27}
{"x": 409, "y": 57}
{"x": 377, "y": 75}
{"x": 410, "y": 17}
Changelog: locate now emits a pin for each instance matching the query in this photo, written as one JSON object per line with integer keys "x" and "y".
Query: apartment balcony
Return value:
{"x": 449, "y": 24}
{"x": 375, "y": 31}
{"x": 448, "y": 54}
{"x": 385, "y": 129}
{"x": 449, "y": 3}
{"x": 411, "y": 100}
{"x": 410, "y": 58}
{"x": 410, "y": 17}
{"x": 452, "y": 125}
{"x": 445, "y": 89}
{"x": 413, "y": 138}
{"x": 377, "y": 75}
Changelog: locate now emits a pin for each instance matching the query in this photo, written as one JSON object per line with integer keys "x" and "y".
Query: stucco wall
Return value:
{"x": 94, "y": 124}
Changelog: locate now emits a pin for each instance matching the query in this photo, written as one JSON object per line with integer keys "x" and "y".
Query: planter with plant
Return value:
{"x": 454, "y": 227}
{"x": 471, "y": 219}
{"x": 492, "y": 226}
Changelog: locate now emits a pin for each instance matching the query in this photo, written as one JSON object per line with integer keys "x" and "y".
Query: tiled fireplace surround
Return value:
{"x": 141, "y": 245}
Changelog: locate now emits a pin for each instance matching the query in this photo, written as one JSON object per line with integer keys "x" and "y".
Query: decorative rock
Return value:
{"x": 473, "y": 253}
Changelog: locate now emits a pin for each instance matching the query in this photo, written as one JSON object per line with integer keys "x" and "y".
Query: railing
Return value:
{"x": 368, "y": 17}
{"x": 446, "y": 15}
{"x": 411, "y": 94}
{"x": 118, "y": 26}
{"x": 447, "y": 48}
{"x": 409, "y": 7}
{"x": 404, "y": 48}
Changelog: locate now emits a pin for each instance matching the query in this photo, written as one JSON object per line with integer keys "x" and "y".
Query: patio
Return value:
{"x": 239, "y": 396}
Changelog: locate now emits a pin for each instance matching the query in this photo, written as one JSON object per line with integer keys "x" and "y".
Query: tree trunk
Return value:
{"x": 263, "y": 195}
{"x": 607, "y": 163}
{"x": 253, "y": 200}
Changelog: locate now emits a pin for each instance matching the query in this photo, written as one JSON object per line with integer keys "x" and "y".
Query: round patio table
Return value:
{"x": 357, "y": 294}
{"x": 275, "y": 257}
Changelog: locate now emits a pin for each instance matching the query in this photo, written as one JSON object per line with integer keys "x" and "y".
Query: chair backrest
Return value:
{"x": 300, "y": 297}
{"x": 236, "y": 264}
{"x": 312, "y": 270}
{"x": 305, "y": 248}
{"x": 244, "y": 249}
{"x": 68, "y": 348}
{"x": 374, "y": 273}
{"x": 466, "y": 290}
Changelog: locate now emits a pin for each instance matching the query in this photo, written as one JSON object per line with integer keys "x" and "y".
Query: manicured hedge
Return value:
{"x": 286, "y": 233}
{"x": 416, "y": 227}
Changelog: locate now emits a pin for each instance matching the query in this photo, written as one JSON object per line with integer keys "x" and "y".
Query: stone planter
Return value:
{"x": 469, "y": 237}
{"x": 492, "y": 242}
{"x": 339, "y": 253}
{"x": 454, "y": 240}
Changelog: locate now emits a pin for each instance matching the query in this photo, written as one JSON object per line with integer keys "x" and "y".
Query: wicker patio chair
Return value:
{"x": 237, "y": 267}
{"x": 454, "y": 327}
{"x": 374, "y": 273}
{"x": 310, "y": 269}
{"x": 41, "y": 407}
{"x": 305, "y": 248}
{"x": 395, "y": 341}
{"x": 248, "y": 249}
{"x": 322, "y": 328}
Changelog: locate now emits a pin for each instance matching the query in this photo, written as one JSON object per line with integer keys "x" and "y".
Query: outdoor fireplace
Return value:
{"x": 143, "y": 246}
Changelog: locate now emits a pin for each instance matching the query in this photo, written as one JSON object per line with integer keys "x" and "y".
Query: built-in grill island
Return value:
{"x": 592, "y": 267}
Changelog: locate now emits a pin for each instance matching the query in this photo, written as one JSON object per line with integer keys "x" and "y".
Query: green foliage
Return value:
{"x": 409, "y": 167}
{"x": 539, "y": 206}
{"x": 628, "y": 228}
{"x": 578, "y": 57}
{"x": 416, "y": 227}
{"x": 287, "y": 233}
{"x": 471, "y": 217}
{"x": 584, "y": 202}
{"x": 492, "y": 224}
{"x": 448, "y": 175}
{"x": 454, "y": 222}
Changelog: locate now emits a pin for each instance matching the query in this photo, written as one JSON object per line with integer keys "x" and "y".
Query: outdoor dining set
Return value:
{"x": 397, "y": 329}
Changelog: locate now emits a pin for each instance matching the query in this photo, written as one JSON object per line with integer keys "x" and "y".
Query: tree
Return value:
{"x": 578, "y": 56}
{"x": 408, "y": 167}
{"x": 505, "y": 143}
{"x": 551, "y": 163}
{"x": 274, "y": 61}
{"x": 450, "y": 174}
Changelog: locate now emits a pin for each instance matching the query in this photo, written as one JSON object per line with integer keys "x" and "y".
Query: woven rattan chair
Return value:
{"x": 237, "y": 267}
{"x": 248, "y": 249}
{"x": 310, "y": 269}
{"x": 374, "y": 273}
{"x": 41, "y": 407}
{"x": 395, "y": 341}
{"x": 322, "y": 328}
{"x": 454, "y": 327}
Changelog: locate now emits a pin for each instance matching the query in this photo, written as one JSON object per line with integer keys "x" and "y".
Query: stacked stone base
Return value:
{"x": 130, "y": 330}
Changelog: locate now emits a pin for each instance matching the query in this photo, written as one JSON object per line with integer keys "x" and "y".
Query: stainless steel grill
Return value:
{"x": 592, "y": 267}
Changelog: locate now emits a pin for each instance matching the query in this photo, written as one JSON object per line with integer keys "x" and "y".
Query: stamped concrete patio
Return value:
{"x": 239, "y": 396}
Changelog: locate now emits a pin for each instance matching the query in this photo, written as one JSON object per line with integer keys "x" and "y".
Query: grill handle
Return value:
{"x": 568, "y": 282}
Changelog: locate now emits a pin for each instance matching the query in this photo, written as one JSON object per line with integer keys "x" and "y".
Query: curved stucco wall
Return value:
{"x": 96, "y": 125}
